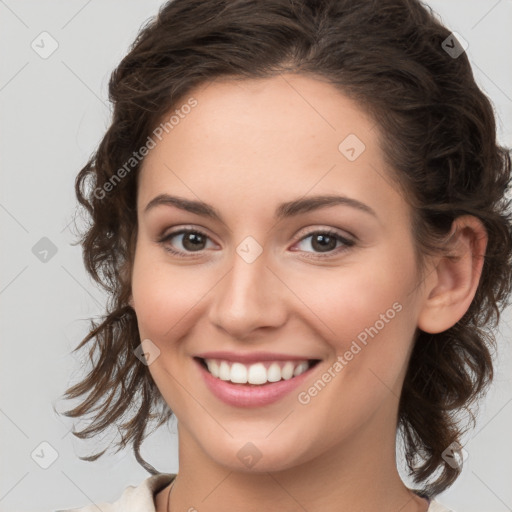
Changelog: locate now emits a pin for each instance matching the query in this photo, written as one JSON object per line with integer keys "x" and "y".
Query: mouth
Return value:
{"x": 253, "y": 383}
{"x": 256, "y": 374}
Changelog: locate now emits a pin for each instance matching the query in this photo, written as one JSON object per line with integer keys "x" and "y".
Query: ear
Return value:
{"x": 452, "y": 284}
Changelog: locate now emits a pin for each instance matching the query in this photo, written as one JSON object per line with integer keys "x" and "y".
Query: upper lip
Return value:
{"x": 252, "y": 357}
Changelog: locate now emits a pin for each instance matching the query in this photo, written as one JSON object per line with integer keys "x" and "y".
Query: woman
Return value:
{"x": 299, "y": 213}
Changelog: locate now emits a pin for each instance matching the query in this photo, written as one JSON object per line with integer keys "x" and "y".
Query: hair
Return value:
{"x": 438, "y": 134}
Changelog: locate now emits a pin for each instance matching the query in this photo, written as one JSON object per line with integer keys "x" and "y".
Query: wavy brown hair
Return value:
{"x": 437, "y": 130}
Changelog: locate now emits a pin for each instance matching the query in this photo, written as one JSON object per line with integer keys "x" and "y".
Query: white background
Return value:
{"x": 54, "y": 112}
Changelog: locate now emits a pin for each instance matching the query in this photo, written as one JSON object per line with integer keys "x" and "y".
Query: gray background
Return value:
{"x": 54, "y": 112}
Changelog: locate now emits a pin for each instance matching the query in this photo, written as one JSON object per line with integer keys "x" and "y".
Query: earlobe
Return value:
{"x": 452, "y": 284}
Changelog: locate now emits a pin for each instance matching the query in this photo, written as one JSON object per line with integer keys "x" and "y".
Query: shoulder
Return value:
{"x": 435, "y": 506}
{"x": 133, "y": 498}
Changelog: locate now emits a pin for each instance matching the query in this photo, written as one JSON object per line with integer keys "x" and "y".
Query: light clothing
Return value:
{"x": 142, "y": 498}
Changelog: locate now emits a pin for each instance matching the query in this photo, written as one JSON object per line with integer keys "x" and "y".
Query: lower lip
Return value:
{"x": 249, "y": 395}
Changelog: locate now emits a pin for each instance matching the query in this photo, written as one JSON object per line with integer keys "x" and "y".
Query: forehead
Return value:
{"x": 284, "y": 112}
{"x": 273, "y": 138}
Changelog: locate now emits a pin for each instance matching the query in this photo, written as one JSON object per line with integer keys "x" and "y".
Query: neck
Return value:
{"x": 359, "y": 475}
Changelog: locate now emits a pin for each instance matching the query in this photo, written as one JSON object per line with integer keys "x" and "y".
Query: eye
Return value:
{"x": 326, "y": 241}
{"x": 192, "y": 240}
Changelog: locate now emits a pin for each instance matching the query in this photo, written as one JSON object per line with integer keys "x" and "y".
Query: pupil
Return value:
{"x": 195, "y": 239}
{"x": 326, "y": 239}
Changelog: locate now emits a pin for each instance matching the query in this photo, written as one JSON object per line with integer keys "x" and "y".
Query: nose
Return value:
{"x": 250, "y": 297}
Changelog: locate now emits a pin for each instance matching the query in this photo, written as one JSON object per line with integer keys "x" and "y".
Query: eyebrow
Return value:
{"x": 284, "y": 210}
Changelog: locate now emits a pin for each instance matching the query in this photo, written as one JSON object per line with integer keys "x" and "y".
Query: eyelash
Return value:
{"x": 345, "y": 241}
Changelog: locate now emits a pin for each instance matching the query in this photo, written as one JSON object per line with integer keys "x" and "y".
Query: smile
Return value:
{"x": 253, "y": 384}
{"x": 257, "y": 373}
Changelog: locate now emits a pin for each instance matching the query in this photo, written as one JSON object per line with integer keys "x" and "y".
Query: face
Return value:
{"x": 261, "y": 287}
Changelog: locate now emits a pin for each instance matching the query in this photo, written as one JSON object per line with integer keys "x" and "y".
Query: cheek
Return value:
{"x": 350, "y": 302}
{"x": 367, "y": 317}
{"x": 164, "y": 295}
{"x": 368, "y": 322}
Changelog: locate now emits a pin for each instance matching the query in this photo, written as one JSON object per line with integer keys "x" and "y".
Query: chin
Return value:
{"x": 258, "y": 456}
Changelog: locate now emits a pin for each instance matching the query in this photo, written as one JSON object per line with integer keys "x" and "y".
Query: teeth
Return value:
{"x": 257, "y": 373}
{"x": 301, "y": 368}
{"x": 287, "y": 371}
{"x": 238, "y": 373}
{"x": 274, "y": 373}
{"x": 213, "y": 367}
{"x": 224, "y": 371}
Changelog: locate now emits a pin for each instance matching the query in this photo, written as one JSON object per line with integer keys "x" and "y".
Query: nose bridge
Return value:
{"x": 247, "y": 297}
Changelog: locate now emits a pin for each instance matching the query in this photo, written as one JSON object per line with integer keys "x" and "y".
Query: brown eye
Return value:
{"x": 190, "y": 240}
{"x": 322, "y": 242}
{"x": 193, "y": 241}
{"x": 325, "y": 242}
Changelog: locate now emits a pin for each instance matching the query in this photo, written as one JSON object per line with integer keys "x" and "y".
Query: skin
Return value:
{"x": 245, "y": 148}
